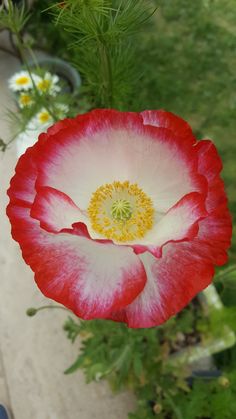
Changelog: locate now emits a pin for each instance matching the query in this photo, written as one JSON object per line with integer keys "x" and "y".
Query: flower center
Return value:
{"x": 44, "y": 85}
{"x": 22, "y": 80}
{"x": 25, "y": 100}
{"x": 43, "y": 117}
{"x": 121, "y": 211}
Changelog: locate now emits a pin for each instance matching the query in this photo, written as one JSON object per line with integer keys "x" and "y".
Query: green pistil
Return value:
{"x": 121, "y": 210}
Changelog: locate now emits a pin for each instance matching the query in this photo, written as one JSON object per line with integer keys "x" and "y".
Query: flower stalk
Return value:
{"x": 32, "y": 311}
{"x": 102, "y": 35}
{"x": 15, "y": 18}
{"x": 106, "y": 71}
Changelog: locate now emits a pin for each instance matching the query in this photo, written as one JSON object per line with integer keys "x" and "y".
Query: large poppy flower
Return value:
{"x": 121, "y": 215}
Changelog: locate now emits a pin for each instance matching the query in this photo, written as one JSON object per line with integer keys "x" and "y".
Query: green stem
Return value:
{"x": 175, "y": 409}
{"x": 20, "y": 45}
{"x": 116, "y": 365}
{"x": 106, "y": 71}
{"x": 32, "y": 311}
{"x": 52, "y": 307}
{"x": 106, "y": 67}
{"x": 13, "y": 138}
{"x": 226, "y": 271}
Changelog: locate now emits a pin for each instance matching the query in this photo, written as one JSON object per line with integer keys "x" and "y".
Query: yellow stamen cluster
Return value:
{"x": 21, "y": 81}
{"x": 43, "y": 117}
{"x": 121, "y": 211}
{"x": 44, "y": 85}
{"x": 25, "y": 99}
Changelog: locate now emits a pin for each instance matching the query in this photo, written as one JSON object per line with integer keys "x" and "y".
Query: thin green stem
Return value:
{"x": 172, "y": 404}
{"x": 106, "y": 72}
{"x": 33, "y": 311}
{"x": 226, "y": 271}
{"x": 20, "y": 46}
{"x": 13, "y": 138}
{"x": 105, "y": 61}
{"x": 116, "y": 365}
{"x": 52, "y": 307}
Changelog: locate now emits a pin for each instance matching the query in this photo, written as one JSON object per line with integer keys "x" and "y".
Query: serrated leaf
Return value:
{"x": 77, "y": 364}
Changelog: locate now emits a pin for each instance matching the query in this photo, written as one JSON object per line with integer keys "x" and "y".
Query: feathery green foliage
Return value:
{"x": 14, "y": 17}
{"x": 101, "y": 39}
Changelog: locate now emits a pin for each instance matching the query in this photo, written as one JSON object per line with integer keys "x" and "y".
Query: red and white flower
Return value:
{"x": 121, "y": 215}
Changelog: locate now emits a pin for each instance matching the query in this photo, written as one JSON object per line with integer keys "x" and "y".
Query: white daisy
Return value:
{"x": 48, "y": 84}
{"x": 22, "y": 81}
{"x": 25, "y": 100}
{"x": 43, "y": 117}
{"x": 62, "y": 110}
{"x": 30, "y": 135}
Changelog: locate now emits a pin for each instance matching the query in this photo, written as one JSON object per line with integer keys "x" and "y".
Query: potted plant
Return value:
{"x": 45, "y": 88}
{"x": 210, "y": 344}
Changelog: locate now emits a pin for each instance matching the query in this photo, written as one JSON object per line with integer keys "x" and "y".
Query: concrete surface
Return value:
{"x": 34, "y": 352}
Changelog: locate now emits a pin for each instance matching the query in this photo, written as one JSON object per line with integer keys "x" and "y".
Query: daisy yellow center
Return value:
{"x": 25, "y": 100}
{"x": 121, "y": 211}
{"x": 21, "y": 81}
{"x": 44, "y": 85}
{"x": 44, "y": 117}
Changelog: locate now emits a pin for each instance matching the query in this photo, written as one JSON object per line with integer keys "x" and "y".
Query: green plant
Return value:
{"x": 138, "y": 359}
{"x": 204, "y": 398}
{"x": 40, "y": 100}
{"x": 101, "y": 39}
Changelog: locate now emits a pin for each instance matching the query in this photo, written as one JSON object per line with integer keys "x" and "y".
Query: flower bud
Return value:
{"x": 157, "y": 408}
{"x": 224, "y": 382}
{"x": 31, "y": 311}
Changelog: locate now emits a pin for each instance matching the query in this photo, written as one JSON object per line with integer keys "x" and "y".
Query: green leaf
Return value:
{"x": 138, "y": 366}
{"x": 77, "y": 364}
{"x": 229, "y": 289}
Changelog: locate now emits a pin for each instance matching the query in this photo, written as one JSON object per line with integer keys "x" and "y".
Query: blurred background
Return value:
{"x": 186, "y": 60}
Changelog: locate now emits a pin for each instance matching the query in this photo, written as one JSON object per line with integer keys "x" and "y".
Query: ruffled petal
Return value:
{"x": 174, "y": 123}
{"x": 179, "y": 223}
{"x": 55, "y": 210}
{"x": 210, "y": 165}
{"x": 188, "y": 267}
{"x": 172, "y": 282}
{"x": 215, "y": 232}
{"x": 89, "y": 278}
